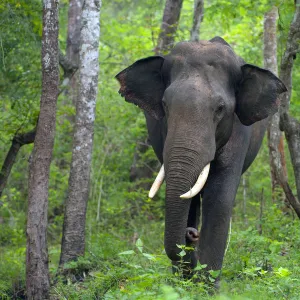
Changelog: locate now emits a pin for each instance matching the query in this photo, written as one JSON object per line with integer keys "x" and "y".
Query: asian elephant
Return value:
{"x": 206, "y": 112}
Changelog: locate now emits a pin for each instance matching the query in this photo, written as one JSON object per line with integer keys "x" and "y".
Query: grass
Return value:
{"x": 256, "y": 266}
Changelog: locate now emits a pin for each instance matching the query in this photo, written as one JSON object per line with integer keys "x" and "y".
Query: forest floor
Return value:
{"x": 256, "y": 266}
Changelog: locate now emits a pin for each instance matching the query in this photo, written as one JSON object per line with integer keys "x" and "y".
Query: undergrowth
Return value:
{"x": 262, "y": 262}
{"x": 256, "y": 266}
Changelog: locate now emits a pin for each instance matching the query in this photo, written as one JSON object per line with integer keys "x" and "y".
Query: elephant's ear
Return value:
{"x": 258, "y": 94}
{"x": 142, "y": 84}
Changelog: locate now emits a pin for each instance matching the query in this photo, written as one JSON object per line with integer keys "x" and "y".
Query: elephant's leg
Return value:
{"x": 218, "y": 200}
{"x": 214, "y": 230}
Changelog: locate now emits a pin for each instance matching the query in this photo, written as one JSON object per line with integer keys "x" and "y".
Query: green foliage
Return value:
{"x": 12, "y": 271}
{"x": 19, "y": 66}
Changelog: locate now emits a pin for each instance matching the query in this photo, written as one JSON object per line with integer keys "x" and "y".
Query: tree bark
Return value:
{"x": 73, "y": 43}
{"x": 277, "y": 161}
{"x": 73, "y": 240}
{"x": 168, "y": 26}
{"x": 275, "y": 138}
{"x": 67, "y": 65}
{"x": 37, "y": 273}
{"x": 197, "y": 19}
{"x": 288, "y": 124}
{"x": 18, "y": 141}
{"x": 287, "y": 62}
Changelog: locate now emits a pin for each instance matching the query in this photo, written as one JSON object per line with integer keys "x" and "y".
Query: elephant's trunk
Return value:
{"x": 182, "y": 171}
{"x": 197, "y": 187}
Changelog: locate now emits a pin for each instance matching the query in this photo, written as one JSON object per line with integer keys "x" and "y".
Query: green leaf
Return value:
{"x": 282, "y": 272}
{"x": 149, "y": 256}
{"x": 200, "y": 267}
{"x": 128, "y": 252}
{"x": 214, "y": 273}
{"x": 139, "y": 245}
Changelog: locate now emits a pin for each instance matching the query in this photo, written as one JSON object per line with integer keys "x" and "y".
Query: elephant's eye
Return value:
{"x": 219, "y": 112}
{"x": 220, "y": 109}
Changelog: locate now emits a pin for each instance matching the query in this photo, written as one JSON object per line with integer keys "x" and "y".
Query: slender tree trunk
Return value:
{"x": 197, "y": 19}
{"x": 275, "y": 138}
{"x": 288, "y": 124}
{"x": 37, "y": 274}
{"x": 73, "y": 240}
{"x": 261, "y": 210}
{"x": 18, "y": 141}
{"x": 169, "y": 26}
{"x": 73, "y": 43}
{"x": 245, "y": 200}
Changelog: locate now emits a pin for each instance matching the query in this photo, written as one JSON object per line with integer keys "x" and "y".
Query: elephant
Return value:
{"x": 206, "y": 112}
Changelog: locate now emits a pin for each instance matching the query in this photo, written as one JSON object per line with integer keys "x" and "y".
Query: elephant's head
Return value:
{"x": 198, "y": 88}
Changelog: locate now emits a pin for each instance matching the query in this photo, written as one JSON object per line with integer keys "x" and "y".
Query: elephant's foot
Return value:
{"x": 212, "y": 284}
{"x": 192, "y": 234}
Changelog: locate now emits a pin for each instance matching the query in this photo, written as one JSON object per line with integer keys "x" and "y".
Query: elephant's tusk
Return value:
{"x": 157, "y": 182}
{"x": 198, "y": 185}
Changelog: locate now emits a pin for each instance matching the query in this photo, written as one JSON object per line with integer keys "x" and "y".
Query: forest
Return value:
{"x": 76, "y": 220}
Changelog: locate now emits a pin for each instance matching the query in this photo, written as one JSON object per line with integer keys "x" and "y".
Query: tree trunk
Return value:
{"x": 168, "y": 26}
{"x": 275, "y": 138}
{"x": 17, "y": 142}
{"x": 245, "y": 200}
{"x": 73, "y": 240}
{"x": 73, "y": 43}
{"x": 37, "y": 273}
{"x": 197, "y": 19}
{"x": 288, "y": 124}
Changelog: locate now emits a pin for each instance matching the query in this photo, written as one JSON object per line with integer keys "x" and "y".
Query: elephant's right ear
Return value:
{"x": 142, "y": 84}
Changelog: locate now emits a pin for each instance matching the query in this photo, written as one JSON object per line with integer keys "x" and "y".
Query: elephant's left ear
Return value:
{"x": 142, "y": 84}
{"x": 258, "y": 94}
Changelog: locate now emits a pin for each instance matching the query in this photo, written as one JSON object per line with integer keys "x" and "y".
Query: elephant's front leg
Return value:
{"x": 218, "y": 199}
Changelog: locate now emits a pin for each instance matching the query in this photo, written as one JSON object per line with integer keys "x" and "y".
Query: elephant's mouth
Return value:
{"x": 192, "y": 234}
{"x": 191, "y": 193}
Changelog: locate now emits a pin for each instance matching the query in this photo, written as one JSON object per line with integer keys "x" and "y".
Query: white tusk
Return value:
{"x": 198, "y": 185}
{"x": 157, "y": 182}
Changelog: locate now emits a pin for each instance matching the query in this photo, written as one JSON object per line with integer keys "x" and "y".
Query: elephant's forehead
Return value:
{"x": 202, "y": 52}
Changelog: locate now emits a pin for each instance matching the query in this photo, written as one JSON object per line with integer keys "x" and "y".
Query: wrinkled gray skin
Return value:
{"x": 202, "y": 104}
